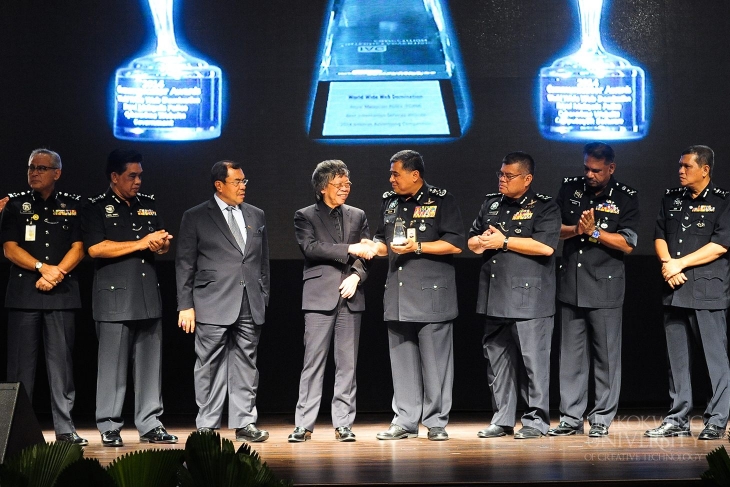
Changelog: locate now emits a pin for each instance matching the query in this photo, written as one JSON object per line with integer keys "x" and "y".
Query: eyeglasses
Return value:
{"x": 238, "y": 182}
{"x": 40, "y": 169}
{"x": 507, "y": 177}
{"x": 340, "y": 186}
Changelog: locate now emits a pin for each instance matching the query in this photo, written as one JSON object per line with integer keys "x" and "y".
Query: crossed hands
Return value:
{"x": 491, "y": 239}
{"x": 51, "y": 275}
{"x": 672, "y": 272}
{"x": 155, "y": 241}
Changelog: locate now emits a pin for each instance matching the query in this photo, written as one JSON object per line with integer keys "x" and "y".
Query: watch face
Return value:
{"x": 596, "y": 233}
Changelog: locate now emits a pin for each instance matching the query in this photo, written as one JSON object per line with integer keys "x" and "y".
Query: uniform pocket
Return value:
{"x": 112, "y": 294}
{"x": 439, "y": 295}
{"x": 610, "y": 282}
{"x": 708, "y": 285}
{"x": 526, "y": 291}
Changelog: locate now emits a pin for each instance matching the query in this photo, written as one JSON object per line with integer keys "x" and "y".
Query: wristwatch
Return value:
{"x": 596, "y": 233}
{"x": 418, "y": 248}
{"x": 38, "y": 265}
{"x": 504, "y": 245}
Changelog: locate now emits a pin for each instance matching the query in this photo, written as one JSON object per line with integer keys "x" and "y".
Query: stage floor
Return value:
{"x": 625, "y": 456}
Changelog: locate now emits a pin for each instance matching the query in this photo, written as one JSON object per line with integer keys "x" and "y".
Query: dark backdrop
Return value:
{"x": 58, "y": 62}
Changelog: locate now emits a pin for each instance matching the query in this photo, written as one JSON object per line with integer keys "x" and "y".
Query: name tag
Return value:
{"x": 30, "y": 233}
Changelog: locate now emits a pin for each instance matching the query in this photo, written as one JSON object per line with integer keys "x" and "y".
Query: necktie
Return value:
{"x": 240, "y": 240}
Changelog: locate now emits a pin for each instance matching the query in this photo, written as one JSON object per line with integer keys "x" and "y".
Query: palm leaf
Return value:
{"x": 154, "y": 468}
{"x": 41, "y": 464}
{"x": 719, "y": 463}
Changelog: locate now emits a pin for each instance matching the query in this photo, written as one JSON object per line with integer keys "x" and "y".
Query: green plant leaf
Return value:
{"x": 719, "y": 463}
{"x": 154, "y": 468}
{"x": 87, "y": 471}
{"x": 41, "y": 464}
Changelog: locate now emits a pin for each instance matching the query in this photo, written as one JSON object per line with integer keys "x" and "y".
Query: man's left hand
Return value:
{"x": 349, "y": 286}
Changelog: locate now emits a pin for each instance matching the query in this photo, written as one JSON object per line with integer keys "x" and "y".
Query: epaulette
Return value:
{"x": 94, "y": 199}
{"x": 76, "y": 197}
{"x": 573, "y": 180}
{"x": 388, "y": 194}
{"x": 626, "y": 189}
{"x": 17, "y": 195}
{"x": 437, "y": 191}
{"x": 543, "y": 197}
{"x": 493, "y": 195}
{"x": 148, "y": 196}
{"x": 722, "y": 193}
{"x": 674, "y": 190}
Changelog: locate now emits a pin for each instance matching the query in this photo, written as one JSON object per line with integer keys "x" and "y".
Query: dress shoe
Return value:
{"x": 712, "y": 432}
{"x": 344, "y": 433}
{"x": 495, "y": 431}
{"x": 564, "y": 429}
{"x": 158, "y": 435}
{"x": 598, "y": 430}
{"x": 251, "y": 434}
{"x": 667, "y": 429}
{"x": 72, "y": 438}
{"x": 528, "y": 433}
{"x": 437, "y": 433}
{"x": 299, "y": 435}
{"x": 205, "y": 429}
{"x": 111, "y": 438}
{"x": 395, "y": 432}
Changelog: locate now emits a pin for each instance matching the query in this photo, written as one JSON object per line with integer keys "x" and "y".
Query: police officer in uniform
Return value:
{"x": 42, "y": 240}
{"x": 517, "y": 232}
{"x": 420, "y": 296}
{"x": 691, "y": 239}
{"x": 123, "y": 233}
{"x": 599, "y": 221}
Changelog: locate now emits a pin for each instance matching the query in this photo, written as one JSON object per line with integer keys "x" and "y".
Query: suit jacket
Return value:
{"x": 212, "y": 271}
{"x": 326, "y": 260}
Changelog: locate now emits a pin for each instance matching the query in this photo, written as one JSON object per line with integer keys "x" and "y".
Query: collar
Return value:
{"x": 322, "y": 206}
{"x": 223, "y": 205}
{"x": 522, "y": 200}
{"x": 606, "y": 192}
{"x": 111, "y": 194}
{"x": 36, "y": 196}
{"x": 703, "y": 194}
{"x": 417, "y": 195}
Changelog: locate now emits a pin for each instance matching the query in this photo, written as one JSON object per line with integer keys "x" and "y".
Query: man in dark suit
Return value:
{"x": 329, "y": 234}
{"x": 222, "y": 271}
{"x": 42, "y": 240}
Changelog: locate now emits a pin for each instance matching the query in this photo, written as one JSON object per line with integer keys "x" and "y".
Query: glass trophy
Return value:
{"x": 168, "y": 94}
{"x": 388, "y": 69}
{"x": 592, "y": 94}
{"x": 399, "y": 232}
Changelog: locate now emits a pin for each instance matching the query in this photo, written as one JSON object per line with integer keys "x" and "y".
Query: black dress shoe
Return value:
{"x": 299, "y": 435}
{"x": 437, "y": 433}
{"x": 598, "y": 430}
{"x": 528, "y": 433}
{"x": 251, "y": 434}
{"x": 111, "y": 438}
{"x": 158, "y": 435}
{"x": 667, "y": 429}
{"x": 72, "y": 438}
{"x": 564, "y": 429}
{"x": 396, "y": 432}
{"x": 712, "y": 432}
{"x": 495, "y": 431}
{"x": 344, "y": 433}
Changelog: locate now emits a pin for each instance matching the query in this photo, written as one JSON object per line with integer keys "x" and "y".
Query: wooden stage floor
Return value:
{"x": 625, "y": 457}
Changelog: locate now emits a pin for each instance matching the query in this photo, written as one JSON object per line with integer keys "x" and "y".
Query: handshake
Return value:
{"x": 367, "y": 249}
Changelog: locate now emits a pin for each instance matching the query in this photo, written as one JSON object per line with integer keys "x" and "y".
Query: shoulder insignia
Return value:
{"x": 148, "y": 196}
{"x": 437, "y": 191}
{"x": 626, "y": 189}
{"x": 572, "y": 180}
{"x": 543, "y": 197}
{"x": 18, "y": 195}
{"x": 94, "y": 199}
{"x": 721, "y": 192}
{"x": 71, "y": 195}
{"x": 674, "y": 190}
{"x": 388, "y": 194}
{"x": 493, "y": 195}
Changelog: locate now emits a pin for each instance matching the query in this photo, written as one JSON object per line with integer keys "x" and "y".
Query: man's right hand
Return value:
{"x": 186, "y": 320}
{"x": 361, "y": 250}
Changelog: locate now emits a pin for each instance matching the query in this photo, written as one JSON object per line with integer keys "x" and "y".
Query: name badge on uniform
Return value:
{"x": 30, "y": 233}
{"x": 424, "y": 212}
{"x": 523, "y": 214}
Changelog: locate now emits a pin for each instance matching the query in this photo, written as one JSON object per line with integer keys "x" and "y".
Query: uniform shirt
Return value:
{"x": 514, "y": 285}
{"x": 686, "y": 225}
{"x": 592, "y": 275}
{"x": 421, "y": 288}
{"x": 45, "y": 229}
{"x": 125, "y": 288}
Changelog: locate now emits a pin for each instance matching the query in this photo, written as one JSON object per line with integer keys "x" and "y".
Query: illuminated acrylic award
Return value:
{"x": 168, "y": 94}
{"x": 388, "y": 69}
{"x": 399, "y": 232}
{"x": 592, "y": 94}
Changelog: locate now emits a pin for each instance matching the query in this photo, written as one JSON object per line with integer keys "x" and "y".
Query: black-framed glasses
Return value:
{"x": 238, "y": 182}
{"x": 40, "y": 169}
{"x": 507, "y": 177}
{"x": 340, "y": 186}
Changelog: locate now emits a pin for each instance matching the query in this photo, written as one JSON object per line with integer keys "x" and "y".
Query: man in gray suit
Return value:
{"x": 222, "y": 271}
{"x": 329, "y": 234}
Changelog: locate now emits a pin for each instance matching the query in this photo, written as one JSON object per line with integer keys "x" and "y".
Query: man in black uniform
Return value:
{"x": 42, "y": 240}
{"x": 599, "y": 221}
{"x": 420, "y": 296}
{"x": 123, "y": 233}
{"x": 517, "y": 232}
{"x": 691, "y": 240}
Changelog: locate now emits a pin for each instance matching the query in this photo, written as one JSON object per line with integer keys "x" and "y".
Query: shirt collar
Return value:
{"x": 223, "y": 205}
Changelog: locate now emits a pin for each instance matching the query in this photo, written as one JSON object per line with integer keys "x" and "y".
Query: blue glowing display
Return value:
{"x": 592, "y": 94}
{"x": 388, "y": 69}
{"x": 168, "y": 95}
